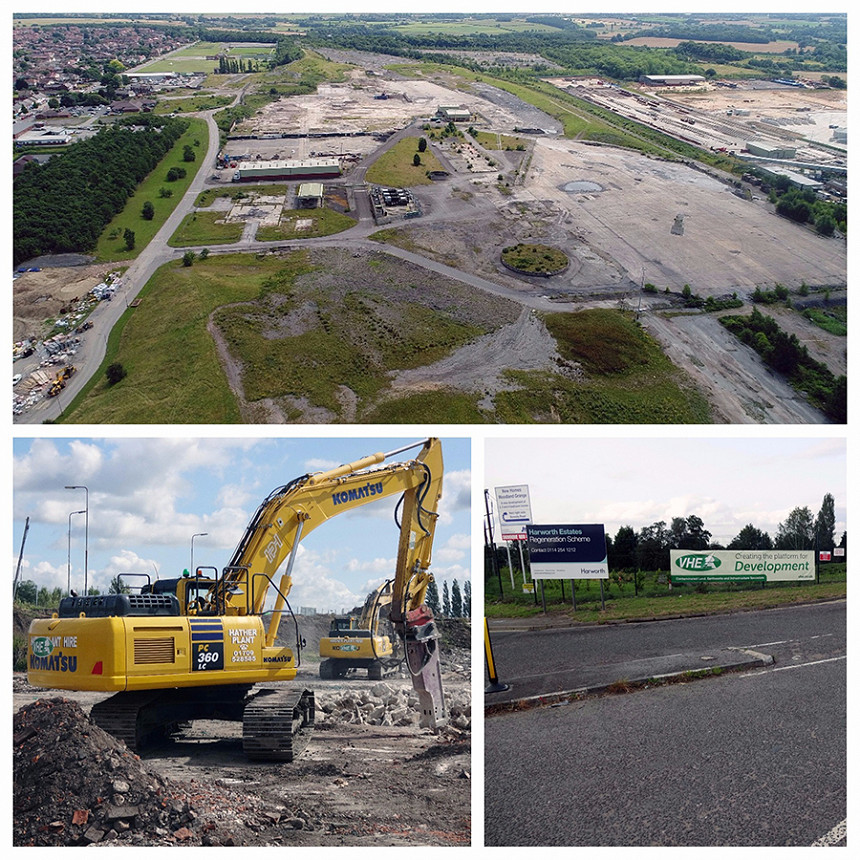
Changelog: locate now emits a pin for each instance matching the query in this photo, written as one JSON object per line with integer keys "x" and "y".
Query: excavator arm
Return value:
{"x": 291, "y": 512}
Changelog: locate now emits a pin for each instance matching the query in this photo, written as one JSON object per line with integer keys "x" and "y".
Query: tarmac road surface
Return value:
{"x": 755, "y": 758}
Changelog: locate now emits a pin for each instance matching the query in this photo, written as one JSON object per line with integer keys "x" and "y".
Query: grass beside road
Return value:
{"x": 324, "y": 222}
{"x": 111, "y": 245}
{"x": 654, "y": 601}
{"x": 205, "y": 228}
{"x": 174, "y": 373}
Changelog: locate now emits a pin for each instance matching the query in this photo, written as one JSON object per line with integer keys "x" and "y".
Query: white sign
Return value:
{"x": 759, "y": 565}
{"x": 839, "y": 551}
{"x": 515, "y": 511}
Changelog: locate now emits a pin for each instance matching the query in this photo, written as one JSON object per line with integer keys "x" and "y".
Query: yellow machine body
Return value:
{"x": 348, "y": 647}
{"x": 146, "y": 653}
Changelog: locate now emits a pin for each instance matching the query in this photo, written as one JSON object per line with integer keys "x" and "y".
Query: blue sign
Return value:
{"x": 567, "y": 551}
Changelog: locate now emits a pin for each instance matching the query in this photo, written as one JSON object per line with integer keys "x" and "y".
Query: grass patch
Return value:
{"x": 534, "y": 259}
{"x": 192, "y": 104}
{"x": 834, "y": 320}
{"x": 628, "y": 379}
{"x": 174, "y": 374}
{"x": 654, "y": 600}
{"x": 205, "y": 228}
{"x": 395, "y": 166}
{"x": 490, "y": 140}
{"x": 111, "y": 244}
{"x": 454, "y": 407}
{"x": 348, "y": 339}
{"x": 325, "y": 222}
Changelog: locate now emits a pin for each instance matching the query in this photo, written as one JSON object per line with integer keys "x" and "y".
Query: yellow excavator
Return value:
{"x": 363, "y": 642}
{"x": 195, "y": 647}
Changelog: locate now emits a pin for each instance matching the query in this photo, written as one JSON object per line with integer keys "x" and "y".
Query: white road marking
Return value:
{"x": 837, "y": 834}
{"x": 795, "y": 666}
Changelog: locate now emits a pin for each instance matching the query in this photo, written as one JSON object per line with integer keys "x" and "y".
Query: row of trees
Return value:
{"x": 785, "y": 353}
{"x": 455, "y": 603}
{"x": 63, "y": 206}
{"x": 648, "y": 549}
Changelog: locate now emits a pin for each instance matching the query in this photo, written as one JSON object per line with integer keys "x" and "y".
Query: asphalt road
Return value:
{"x": 745, "y": 759}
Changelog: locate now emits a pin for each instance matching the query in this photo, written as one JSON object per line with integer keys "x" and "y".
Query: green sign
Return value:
{"x": 742, "y": 565}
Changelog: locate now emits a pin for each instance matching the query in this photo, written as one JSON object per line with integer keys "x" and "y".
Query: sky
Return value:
{"x": 727, "y": 482}
{"x": 149, "y": 496}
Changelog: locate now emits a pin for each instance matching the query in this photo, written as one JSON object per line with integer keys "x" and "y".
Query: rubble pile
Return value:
{"x": 384, "y": 705}
{"x": 74, "y": 784}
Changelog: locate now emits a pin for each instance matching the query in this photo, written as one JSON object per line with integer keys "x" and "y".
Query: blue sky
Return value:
{"x": 728, "y": 482}
{"x": 148, "y": 496}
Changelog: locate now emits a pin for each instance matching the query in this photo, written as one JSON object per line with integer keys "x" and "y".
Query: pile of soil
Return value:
{"x": 74, "y": 784}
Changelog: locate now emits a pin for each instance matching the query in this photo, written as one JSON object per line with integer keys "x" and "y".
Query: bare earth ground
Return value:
{"x": 356, "y": 783}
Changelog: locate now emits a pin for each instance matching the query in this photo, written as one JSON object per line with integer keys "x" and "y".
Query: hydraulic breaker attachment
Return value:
{"x": 421, "y": 640}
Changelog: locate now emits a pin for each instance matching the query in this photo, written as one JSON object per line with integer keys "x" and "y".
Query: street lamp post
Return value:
{"x": 199, "y": 534}
{"x": 86, "y": 532}
{"x": 69, "y": 557}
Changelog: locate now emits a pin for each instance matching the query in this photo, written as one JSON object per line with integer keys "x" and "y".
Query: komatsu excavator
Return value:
{"x": 363, "y": 642}
{"x": 194, "y": 647}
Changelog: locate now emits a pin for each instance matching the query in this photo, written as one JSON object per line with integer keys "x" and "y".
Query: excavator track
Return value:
{"x": 130, "y": 717}
{"x": 277, "y": 724}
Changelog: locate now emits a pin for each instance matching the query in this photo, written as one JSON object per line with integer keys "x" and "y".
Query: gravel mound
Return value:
{"x": 74, "y": 784}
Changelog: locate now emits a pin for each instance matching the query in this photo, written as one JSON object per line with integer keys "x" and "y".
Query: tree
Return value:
{"x": 148, "y": 211}
{"x": 188, "y": 258}
{"x": 797, "y": 532}
{"x": 624, "y": 549}
{"x": 467, "y": 599}
{"x": 188, "y": 153}
{"x": 456, "y": 600}
{"x": 115, "y": 372}
{"x": 433, "y": 597}
{"x": 825, "y": 524}
{"x": 128, "y": 236}
{"x": 750, "y": 537}
{"x": 27, "y": 591}
{"x": 446, "y": 600}
{"x": 416, "y": 160}
{"x": 422, "y": 144}
{"x": 118, "y": 586}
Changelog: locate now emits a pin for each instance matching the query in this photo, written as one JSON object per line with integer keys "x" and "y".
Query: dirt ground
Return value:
{"x": 356, "y": 783}
{"x": 39, "y": 296}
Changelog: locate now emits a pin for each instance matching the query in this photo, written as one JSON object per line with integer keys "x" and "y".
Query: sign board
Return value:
{"x": 839, "y": 551}
{"x": 515, "y": 511}
{"x": 824, "y": 555}
{"x": 691, "y": 565}
{"x": 567, "y": 552}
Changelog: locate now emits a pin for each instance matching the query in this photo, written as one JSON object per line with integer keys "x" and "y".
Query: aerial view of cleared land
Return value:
{"x": 484, "y": 219}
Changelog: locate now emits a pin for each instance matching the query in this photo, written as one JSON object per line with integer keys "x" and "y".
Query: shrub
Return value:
{"x": 115, "y": 372}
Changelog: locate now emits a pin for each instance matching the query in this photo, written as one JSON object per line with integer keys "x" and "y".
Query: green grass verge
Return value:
{"x": 500, "y": 141}
{"x": 202, "y": 228}
{"x": 628, "y": 379}
{"x": 111, "y": 244}
{"x": 654, "y": 601}
{"x": 174, "y": 374}
{"x": 395, "y": 166}
{"x": 192, "y": 104}
{"x": 324, "y": 222}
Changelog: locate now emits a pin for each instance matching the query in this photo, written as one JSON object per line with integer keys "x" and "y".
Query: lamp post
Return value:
{"x": 199, "y": 534}
{"x": 69, "y": 557}
{"x": 86, "y": 532}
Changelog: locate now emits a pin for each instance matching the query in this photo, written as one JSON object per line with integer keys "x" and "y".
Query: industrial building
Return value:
{"x": 310, "y": 195}
{"x": 309, "y": 168}
{"x": 671, "y": 80}
{"x": 769, "y": 150}
{"x": 453, "y": 113}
